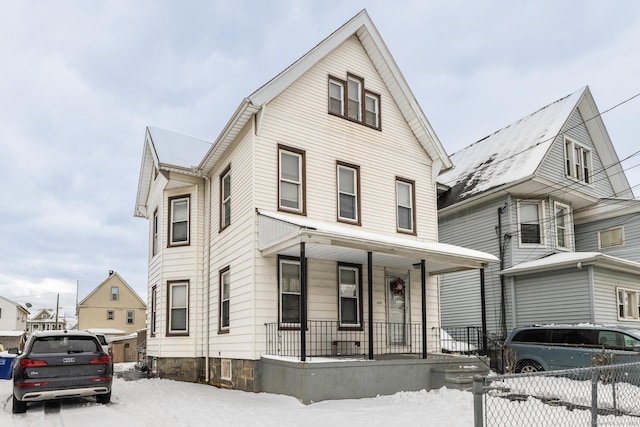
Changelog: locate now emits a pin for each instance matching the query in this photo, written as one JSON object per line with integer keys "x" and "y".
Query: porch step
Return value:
{"x": 457, "y": 376}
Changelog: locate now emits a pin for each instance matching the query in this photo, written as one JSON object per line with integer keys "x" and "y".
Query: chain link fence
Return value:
{"x": 596, "y": 396}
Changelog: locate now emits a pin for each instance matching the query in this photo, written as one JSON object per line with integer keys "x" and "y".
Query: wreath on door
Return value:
{"x": 397, "y": 286}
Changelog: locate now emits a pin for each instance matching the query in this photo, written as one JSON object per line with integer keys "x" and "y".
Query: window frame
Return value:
{"x": 359, "y": 81}
{"x": 284, "y": 259}
{"x": 302, "y": 188}
{"x": 115, "y": 296}
{"x": 541, "y": 221}
{"x": 610, "y": 229}
{"x": 376, "y": 98}
{"x": 341, "y": 84}
{"x": 170, "y": 285}
{"x": 568, "y": 225}
{"x": 222, "y": 328}
{"x": 154, "y": 311}
{"x": 578, "y": 162}
{"x": 111, "y": 315}
{"x": 359, "y": 305}
{"x": 155, "y": 233}
{"x": 131, "y": 315}
{"x": 225, "y": 200}
{"x": 363, "y": 94}
{"x": 630, "y": 301}
{"x": 172, "y": 201}
{"x": 412, "y": 193}
{"x": 356, "y": 197}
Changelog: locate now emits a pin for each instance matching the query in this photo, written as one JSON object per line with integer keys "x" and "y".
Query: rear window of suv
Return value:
{"x": 64, "y": 344}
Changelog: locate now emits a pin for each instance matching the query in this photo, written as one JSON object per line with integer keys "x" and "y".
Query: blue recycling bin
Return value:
{"x": 6, "y": 363}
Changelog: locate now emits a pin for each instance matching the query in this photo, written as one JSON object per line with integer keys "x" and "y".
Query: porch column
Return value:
{"x": 370, "y": 301}
{"x": 303, "y": 303}
{"x": 423, "y": 287}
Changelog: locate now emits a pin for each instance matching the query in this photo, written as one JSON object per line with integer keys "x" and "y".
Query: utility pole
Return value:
{"x": 57, "y": 310}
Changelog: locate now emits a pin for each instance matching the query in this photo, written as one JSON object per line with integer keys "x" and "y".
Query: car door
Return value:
{"x": 571, "y": 348}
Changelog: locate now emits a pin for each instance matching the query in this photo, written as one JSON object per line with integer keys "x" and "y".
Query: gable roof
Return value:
{"x": 362, "y": 27}
{"x": 513, "y": 154}
{"x": 11, "y": 302}
{"x": 112, "y": 274}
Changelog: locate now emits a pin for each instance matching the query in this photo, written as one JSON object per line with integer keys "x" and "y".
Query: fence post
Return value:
{"x": 595, "y": 374}
{"x": 478, "y": 391}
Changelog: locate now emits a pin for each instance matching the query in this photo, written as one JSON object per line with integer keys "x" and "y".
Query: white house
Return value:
{"x": 315, "y": 206}
{"x": 13, "y": 316}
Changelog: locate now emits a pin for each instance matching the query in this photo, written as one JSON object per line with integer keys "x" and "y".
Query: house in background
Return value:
{"x": 13, "y": 316}
{"x": 46, "y": 320}
{"x": 549, "y": 197}
{"x": 307, "y": 229}
{"x": 112, "y": 308}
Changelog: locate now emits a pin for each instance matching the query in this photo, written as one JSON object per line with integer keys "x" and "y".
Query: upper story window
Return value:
{"x": 154, "y": 309}
{"x": 114, "y": 293}
{"x": 289, "y": 291}
{"x": 179, "y": 221}
{"x": 563, "y": 225}
{"x": 578, "y": 161}
{"x": 348, "y": 193}
{"x": 611, "y": 237}
{"x": 349, "y": 99}
{"x": 130, "y": 317}
{"x": 405, "y": 209}
{"x": 530, "y": 217}
{"x": 155, "y": 232}
{"x": 225, "y": 292}
{"x": 110, "y": 315}
{"x": 225, "y": 198}
{"x": 178, "y": 308}
{"x": 291, "y": 187}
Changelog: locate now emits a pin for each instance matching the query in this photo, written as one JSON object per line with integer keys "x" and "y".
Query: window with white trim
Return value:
{"x": 628, "y": 302}
{"x": 110, "y": 315}
{"x": 578, "y": 161}
{"x": 155, "y": 232}
{"x": 225, "y": 292}
{"x": 289, "y": 289}
{"x": 130, "y": 317}
{"x": 563, "y": 225}
{"x": 291, "y": 188}
{"x": 154, "y": 309}
{"x": 405, "y": 212}
{"x": 530, "y": 219}
{"x": 349, "y": 289}
{"x": 611, "y": 237}
{"x": 225, "y": 198}
{"x": 348, "y": 192}
{"x": 114, "y": 293}
{"x": 178, "y": 308}
{"x": 179, "y": 221}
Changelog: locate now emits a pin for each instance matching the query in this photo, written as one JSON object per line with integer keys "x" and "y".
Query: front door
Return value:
{"x": 397, "y": 308}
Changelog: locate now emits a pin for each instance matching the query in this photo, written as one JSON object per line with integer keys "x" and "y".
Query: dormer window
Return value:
{"x": 350, "y": 100}
{"x": 578, "y": 161}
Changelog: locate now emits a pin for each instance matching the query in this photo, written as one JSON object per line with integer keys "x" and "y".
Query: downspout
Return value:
{"x": 206, "y": 269}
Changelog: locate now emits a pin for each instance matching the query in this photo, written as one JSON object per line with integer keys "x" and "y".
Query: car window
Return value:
{"x": 629, "y": 342}
{"x": 572, "y": 336}
{"x": 64, "y": 344}
{"x": 102, "y": 339}
{"x": 531, "y": 335}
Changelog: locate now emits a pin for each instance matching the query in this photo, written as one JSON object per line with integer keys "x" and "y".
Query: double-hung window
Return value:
{"x": 336, "y": 96}
{"x": 611, "y": 237}
{"x": 114, "y": 293}
{"x": 225, "y": 198}
{"x": 179, "y": 221}
{"x": 178, "y": 304}
{"x": 155, "y": 232}
{"x": 627, "y": 303}
{"x": 154, "y": 309}
{"x": 354, "y": 98}
{"x": 224, "y": 295}
{"x": 130, "y": 317}
{"x": 289, "y": 289}
{"x": 371, "y": 109}
{"x": 578, "y": 161}
{"x": 349, "y": 290}
{"x": 348, "y": 192}
{"x": 530, "y": 220}
{"x": 563, "y": 225}
{"x": 291, "y": 188}
{"x": 110, "y": 315}
{"x": 405, "y": 212}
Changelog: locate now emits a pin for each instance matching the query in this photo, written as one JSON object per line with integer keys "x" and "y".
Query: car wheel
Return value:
{"x": 103, "y": 398}
{"x": 19, "y": 407}
{"x": 528, "y": 366}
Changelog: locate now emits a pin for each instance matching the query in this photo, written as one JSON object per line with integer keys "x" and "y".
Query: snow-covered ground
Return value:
{"x": 156, "y": 402}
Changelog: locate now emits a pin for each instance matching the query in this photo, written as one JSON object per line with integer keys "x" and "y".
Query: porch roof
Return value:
{"x": 281, "y": 234}
{"x": 576, "y": 260}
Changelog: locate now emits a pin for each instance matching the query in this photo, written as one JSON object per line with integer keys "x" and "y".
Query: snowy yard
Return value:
{"x": 155, "y": 402}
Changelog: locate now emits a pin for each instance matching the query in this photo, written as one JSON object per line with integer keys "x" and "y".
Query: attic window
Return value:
{"x": 350, "y": 100}
{"x": 578, "y": 161}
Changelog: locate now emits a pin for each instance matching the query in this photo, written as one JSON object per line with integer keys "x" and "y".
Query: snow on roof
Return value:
{"x": 569, "y": 259}
{"x": 106, "y": 331}
{"x": 11, "y": 333}
{"x": 508, "y": 155}
{"x": 179, "y": 150}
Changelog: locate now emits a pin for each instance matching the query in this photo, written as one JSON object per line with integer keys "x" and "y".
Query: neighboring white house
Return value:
{"x": 316, "y": 206}
{"x": 46, "y": 320}
{"x": 13, "y": 316}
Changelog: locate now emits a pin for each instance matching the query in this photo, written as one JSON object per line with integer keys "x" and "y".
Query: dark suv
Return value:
{"x": 58, "y": 365}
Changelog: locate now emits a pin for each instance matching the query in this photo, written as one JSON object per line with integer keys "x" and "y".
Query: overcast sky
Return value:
{"x": 80, "y": 81}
